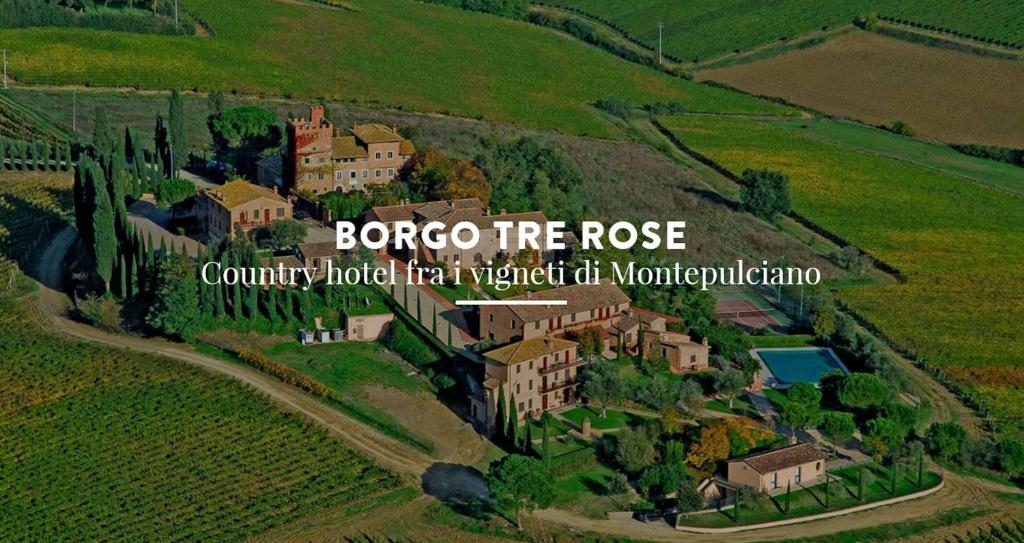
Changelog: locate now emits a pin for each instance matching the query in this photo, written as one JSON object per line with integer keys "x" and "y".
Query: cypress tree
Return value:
{"x": 205, "y": 289}
{"x": 83, "y": 204}
{"x": 47, "y": 164}
{"x": 419, "y": 313}
{"x": 272, "y": 303}
{"x": 102, "y": 135}
{"x": 545, "y": 440}
{"x": 104, "y": 244}
{"x": 122, "y": 272}
{"x": 178, "y": 137}
{"x": 30, "y": 159}
{"x": 501, "y": 416}
{"x": 68, "y": 159}
{"x": 289, "y": 306}
{"x": 513, "y": 422}
{"x": 163, "y": 249}
{"x": 252, "y": 301}
{"x": 219, "y": 294}
{"x": 3, "y": 153}
{"x": 150, "y": 259}
{"x": 133, "y": 290}
{"x": 236, "y": 294}
{"x": 528, "y": 439}
{"x": 305, "y": 306}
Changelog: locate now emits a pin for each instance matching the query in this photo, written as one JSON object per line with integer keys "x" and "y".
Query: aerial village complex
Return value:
{"x": 386, "y": 271}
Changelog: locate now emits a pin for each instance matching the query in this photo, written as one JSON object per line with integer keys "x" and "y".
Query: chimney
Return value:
{"x": 704, "y": 342}
{"x": 503, "y": 211}
{"x": 394, "y": 129}
{"x": 316, "y": 115}
{"x": 529, "y": 295}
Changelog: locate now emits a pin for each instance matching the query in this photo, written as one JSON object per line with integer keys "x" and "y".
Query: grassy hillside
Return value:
{"x": 19, "y": 122}
{"x": 396, "y": 52}
{"x": 701, "y": 29}
{"x": 955, "y": 240}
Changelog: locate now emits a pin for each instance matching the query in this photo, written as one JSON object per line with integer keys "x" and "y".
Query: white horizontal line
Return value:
{"x": 511, "y": 302}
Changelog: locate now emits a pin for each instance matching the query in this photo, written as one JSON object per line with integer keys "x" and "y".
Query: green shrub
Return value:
{"x": 409, "y": 346}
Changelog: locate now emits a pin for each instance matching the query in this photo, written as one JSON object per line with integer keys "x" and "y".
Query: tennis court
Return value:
{"x": 750, "y": 310}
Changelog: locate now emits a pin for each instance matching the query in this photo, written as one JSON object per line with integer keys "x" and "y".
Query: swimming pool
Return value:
{"x": 784, "y": 367}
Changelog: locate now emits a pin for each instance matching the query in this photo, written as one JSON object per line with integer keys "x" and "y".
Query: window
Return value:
{"x": 391, "y": 172}
{"x": 517, "y": 391}
{"x": 339, "y": 175}
{"x": 321, "y": 160}
{"x": 693, "y": 359}
{"x": 490, "y": 318}
{"x": 280, "y": 212}
{"x": 521, "y": 408}
{"x": 366, "y": 173}
{"x": 513, "y": 324}
{"x": 530, "y": 404}
{"x": 391, "y": 154}
{"x": 377, "y": 155}
{"x": 798, "y": 470}
{"x": 664, "y": 352}
{"x": 376, "y": 173}
{"x": 352, "y": 174}
{"x": 558, "y": 356}
{"x": 519, "y": 369}
{"x": 529, "y": 385}
{"x": 531, "y": 367}
{"x": 305, "y": 160}
{"x": 321, "y": 177}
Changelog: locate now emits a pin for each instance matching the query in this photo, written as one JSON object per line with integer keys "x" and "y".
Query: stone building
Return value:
{"x": 536, "y": 375}
{"x": 772, "y": 471}
{"x": 239, "y": 204}
{"x": 321, "y": 159}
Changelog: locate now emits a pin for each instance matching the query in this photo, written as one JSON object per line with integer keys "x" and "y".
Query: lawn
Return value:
{"x": 390, "y": 52}
{"x": 454, "y": 292}
{"x": 586, "y": 491}
{"x": 345, "y": 367}
{"x": 363, "y": 300}
{"x": 775, "y": 341}
{"x": 740, "y": 407}
{"x": 811, "y": 501}
{"x": 104, "y": 444}
{"x": 614, "y": 418}
{"x": 961, "y": 305}
{"x": 706, "y": 28}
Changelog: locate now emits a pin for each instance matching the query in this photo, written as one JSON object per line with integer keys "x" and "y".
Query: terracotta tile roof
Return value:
{"x": 375, "y": 133}
{"x": 579, "y": 298}
{"x": 347, "y": 147}
{"x": 238, "y": 192}
{"x": 322, "y": 248}
{"x": 415, "y": 212}
{"x": 529, "y": 349}
{"x": 786, "y": 457}
{"x": 646, "y": 315}
{"x": 289, "y": 261}
{"x": 407, "y": 148}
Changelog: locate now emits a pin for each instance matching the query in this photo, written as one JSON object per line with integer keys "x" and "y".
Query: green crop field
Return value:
{"x": 19, "y": 122}
{"x": 962, "y": 305}
{"x": 703, "y": 29}
{"x": 101, "y": 444}
{"x": 394, "y": 52}
{"x": 935, "y": 157}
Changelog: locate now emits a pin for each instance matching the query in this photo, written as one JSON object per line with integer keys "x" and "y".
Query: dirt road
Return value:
{"x": 53, "y": 304}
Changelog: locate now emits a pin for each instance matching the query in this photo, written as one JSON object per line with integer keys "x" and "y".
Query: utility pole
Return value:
{"x": 5, "y": 69}
{"x": 660, "y": 27}
{"x": 74, "y": 111}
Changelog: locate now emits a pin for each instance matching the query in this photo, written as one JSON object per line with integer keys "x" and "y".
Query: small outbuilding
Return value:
{"x": 774, "y": 470}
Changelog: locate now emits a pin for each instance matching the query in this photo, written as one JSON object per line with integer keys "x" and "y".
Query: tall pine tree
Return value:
{"x": 104, "y": 244}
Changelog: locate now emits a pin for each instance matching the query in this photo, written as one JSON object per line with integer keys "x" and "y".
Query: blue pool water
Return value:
{"x": 803, "y": 365}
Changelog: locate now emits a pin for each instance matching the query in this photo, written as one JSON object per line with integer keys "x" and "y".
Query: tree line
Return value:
{"x": 32, "y": 155}
{"x": 80, "y": 13}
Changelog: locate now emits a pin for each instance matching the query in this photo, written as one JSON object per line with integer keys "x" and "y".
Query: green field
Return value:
{"x": 22, "y": 123}
{"x": 936, "y": 157}
{"x": 103, "y": 444}
{"x": 392, "y": 52}
{"x": 703, "y": 29}
{"x": 962, "y": 304}
{"x": 346, "y": 367}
